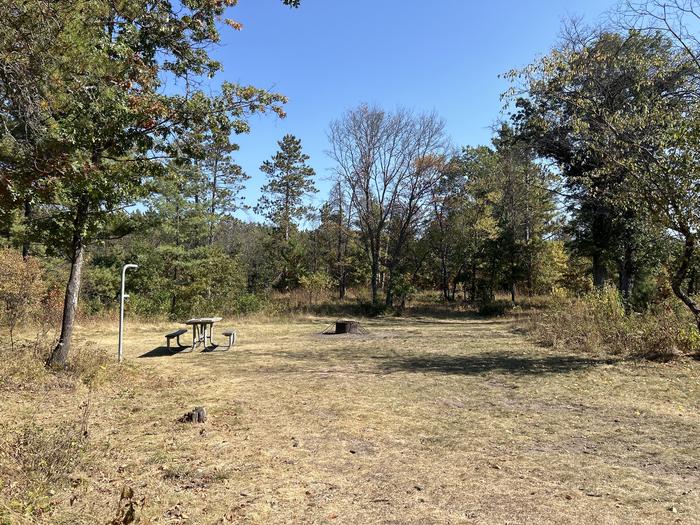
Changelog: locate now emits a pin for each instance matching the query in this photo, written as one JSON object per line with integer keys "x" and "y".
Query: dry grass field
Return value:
{"x": 424, "y": 420}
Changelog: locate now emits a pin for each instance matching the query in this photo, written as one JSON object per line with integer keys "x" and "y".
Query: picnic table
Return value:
{"x": 202, "y": 329}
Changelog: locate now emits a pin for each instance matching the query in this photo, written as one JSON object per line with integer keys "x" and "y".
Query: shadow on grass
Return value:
{"x": 359, "y": 361}
{"x": 162, "y": 351}
{"x": 353, "y": 309}
{"x": 440, "y": 311}
{"x": 492, "y": 362}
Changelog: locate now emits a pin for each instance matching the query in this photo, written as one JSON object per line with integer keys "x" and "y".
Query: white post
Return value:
{"x": 122, "y": 296}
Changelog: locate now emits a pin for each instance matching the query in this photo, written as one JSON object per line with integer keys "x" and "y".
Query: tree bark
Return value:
{"x": 212, "y": 206}
{"x": 682, "y": 272}
{"x": 390, "y": 288}
{"x": 626, "y": 270}
{"x": 375, "y": 274}
{"x": 600, "y": 272}
{"x": 59, "y": 356}
{"x": 445, "y": 277}
{"x": 26, "y": 244}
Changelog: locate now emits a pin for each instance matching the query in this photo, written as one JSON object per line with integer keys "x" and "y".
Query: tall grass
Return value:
{"x": 598, "y": 322}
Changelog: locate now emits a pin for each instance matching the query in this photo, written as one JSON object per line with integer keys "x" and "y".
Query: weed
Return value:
{"x": 599, "y": 323}
{"x": 37, "y": 460}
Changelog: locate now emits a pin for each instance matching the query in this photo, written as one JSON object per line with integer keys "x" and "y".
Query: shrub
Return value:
{"x": 404, "y": 290}
{"x": 315, "y": 284}
{"x": 38, "y": 460}
{"x": 100, "y": 288}
{"x": 21, "y": 289}
{"x": 495, "y": 308}
{"x": 249, "y": 304}
{"x": 374, "y": 310}
{"x": 598, "y": 323}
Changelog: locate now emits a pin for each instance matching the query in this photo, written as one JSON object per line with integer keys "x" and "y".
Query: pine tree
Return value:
{"x": 290, "y": 181}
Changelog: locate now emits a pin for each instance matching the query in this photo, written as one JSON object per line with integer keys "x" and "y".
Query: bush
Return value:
{"x": 369, "y": 309}
{"x": 315, "y": 285}
{"x": 100, "y": 289}
{"x": 598, "y": 323}
{"x": 21, "y": 289}
{"x": 37, "y": 460}
{"x": 495, "y": 308}
{"x": 249, "y": 304}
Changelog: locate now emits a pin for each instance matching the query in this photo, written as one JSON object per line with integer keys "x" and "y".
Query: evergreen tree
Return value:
{"x": 290, "y": 182}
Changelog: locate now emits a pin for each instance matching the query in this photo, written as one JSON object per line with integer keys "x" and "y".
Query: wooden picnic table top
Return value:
{"x": 203, "y": 320}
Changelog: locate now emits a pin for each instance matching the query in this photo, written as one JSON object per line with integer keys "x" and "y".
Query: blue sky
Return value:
{"x": 330, "y": 55}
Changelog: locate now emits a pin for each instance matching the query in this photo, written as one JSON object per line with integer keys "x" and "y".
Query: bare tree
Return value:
{"x": 341, "y": 202}
{"x": 679, "y": 19}
{"x": 390, "y": 161}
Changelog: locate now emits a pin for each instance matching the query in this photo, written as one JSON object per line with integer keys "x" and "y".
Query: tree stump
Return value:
{"x": 198, "y": 415}
{"x": 346, "y": 326}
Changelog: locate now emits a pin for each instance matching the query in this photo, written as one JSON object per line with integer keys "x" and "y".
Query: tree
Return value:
{"x": 475, "y": 223}
{"x": 340, "y": 219}
{"x": 675, "y": 19}
{"x": 524, "y": 209}
{"x": 390, "y": 162}
{"x": 290, "y": 182}
{"x": 631, "y": 102}
{"x": 86, "y": 115}
{"x": 574, "y": 99}
{"x": 661, "y": 145}
{"x": 315, "y": 284}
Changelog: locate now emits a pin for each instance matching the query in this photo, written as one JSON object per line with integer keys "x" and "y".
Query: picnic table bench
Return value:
{"x": 175, "y": 335}
{"x": 231, "y": 334}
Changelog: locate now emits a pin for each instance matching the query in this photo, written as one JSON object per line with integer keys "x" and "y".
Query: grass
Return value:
{"x": 443, "y": 418}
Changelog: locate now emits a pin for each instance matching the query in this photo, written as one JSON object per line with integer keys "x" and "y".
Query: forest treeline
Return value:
{"x": 591, "y": 179}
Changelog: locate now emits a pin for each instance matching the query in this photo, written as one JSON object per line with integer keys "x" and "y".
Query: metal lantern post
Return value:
{"x": 120, "y": 355}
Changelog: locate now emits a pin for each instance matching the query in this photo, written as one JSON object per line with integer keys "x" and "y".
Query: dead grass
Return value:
{"x": 447, "y": 419}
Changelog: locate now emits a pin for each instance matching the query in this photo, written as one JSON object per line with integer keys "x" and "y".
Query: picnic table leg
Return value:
{"x": 194, "y": 338}
{"x": 211, "y": 335}
{"x": 203, "y": 328}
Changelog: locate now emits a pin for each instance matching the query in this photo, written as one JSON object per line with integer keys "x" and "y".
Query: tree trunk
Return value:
{"x": 472, "y": 291}
{"x": 340, "y": 256}
{"x": 342, "y": 284}
{"x": 682, "y": 272}
{"x": 626, "y": 270}
{"x": 26, "y": 244}
{"x": 375, "y": 278}
{"x": 212, "y": 206}
{"x": 390, "y": 288}
{"x": 59, "y": 355}
{"x": 600, "y": 272}
{"x": 445, "y": 277}
{"x": 692, "y": 283}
